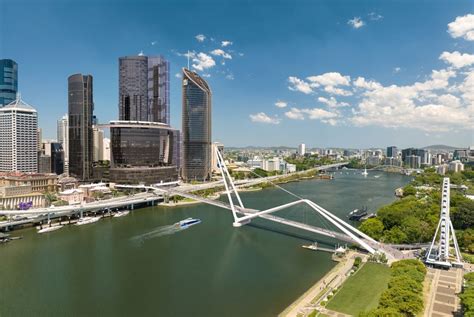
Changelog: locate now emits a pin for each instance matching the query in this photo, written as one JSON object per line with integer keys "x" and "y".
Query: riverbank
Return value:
{"x": 322, "y": 288}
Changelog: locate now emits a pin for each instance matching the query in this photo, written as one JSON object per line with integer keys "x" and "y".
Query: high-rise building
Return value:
{"x": 18, "y": 137}
{"x": 80, "y": 110}
{"x": 63, "y": 138}
{"x": 302, "y": 149}
{"x": 106, "y": 152}
{"x": 413, "y": 161}
{"x": 144, "y": 88}
{"x": 98, "y": 143}
{"x": 392, "y": 151}
{"x": 143, "y": 152}
{"x": 196, "y": 125}
{"x": 8, "y": 81}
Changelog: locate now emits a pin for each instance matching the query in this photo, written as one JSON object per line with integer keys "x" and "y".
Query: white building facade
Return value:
{"x": 302, "y": 149}
{"x": 18, "y": 137}
{"x": 63, "y": 138}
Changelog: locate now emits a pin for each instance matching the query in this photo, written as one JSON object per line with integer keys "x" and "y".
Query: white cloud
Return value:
{"x": 281, "y": 104}
{"x": 262, "y": 117}
{"x": 154, "y": 43}
{"x": 241, "y": 54}
{"x": 456, "y": 59}
{"x": 222, "y": 53}
{"x": 178, "y": 75}
{"x": 297, "y": 84}
{"x": 317, "y": 113}
{"x": 462, "y": 27}
{"x": 397, "y": 69}
{"x": 360, "y": 82}
{"x": 200, "y": 37}
{"x": 375, "y": 16}
{"x": 202, "y": 61}
{"x": 229, "y": 76}
{"x": 206, "y": 75}
{"x": 337, "y": 91}
{"x": 332, "y": 102}
{"x": 226, "y": 43}
{"x": 295, "y": 114}
{"x": 356, "y": 22}
{"x": 330, "y": 79}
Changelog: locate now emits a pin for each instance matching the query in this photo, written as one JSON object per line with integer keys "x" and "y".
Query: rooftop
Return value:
{"x": 18, "y": 104}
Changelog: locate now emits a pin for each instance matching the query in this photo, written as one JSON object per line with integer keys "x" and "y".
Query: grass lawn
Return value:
{"x": 362, "y": 290}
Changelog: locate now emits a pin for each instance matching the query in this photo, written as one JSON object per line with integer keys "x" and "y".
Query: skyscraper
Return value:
{"x": 18, "y": 137}
{"x": 63, "y": 138}
{"x": 392, "y": 151}
{"x": 80, "y": 110}
{"x": 196, "y": 127}
{"x": 144, "y": 88}
{"x": 8, "y": 81}
{"x": 302, "y": 149}
{"x": 98, "y": 143}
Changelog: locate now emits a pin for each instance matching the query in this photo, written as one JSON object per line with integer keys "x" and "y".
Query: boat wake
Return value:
{"x": 156, "y": 233}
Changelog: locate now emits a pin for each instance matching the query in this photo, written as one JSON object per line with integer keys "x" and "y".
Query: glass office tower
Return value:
{"x": 80, "y": 110}
{"x": 196, "y": 127}
{"x": 8, "y": 81}
{"x": 144, "y": 88}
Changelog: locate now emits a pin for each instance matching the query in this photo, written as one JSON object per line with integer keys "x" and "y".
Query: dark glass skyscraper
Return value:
{"x": 196, "y": 127}
{"x": 144, "y": 88}
{"x": 80, "y": 110}
{"x": 8, "y": 81}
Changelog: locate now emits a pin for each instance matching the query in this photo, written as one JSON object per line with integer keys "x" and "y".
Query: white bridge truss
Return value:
{"x": 357, "y": 236}
{"x": 439, "y": 251}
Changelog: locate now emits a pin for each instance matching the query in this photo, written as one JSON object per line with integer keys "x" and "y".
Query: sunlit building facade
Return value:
{"x": 196, "y": 125}
{"x": 8, "y": 81}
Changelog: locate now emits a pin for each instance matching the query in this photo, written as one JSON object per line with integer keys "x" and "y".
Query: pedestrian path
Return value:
{"x": 442, "y": 300}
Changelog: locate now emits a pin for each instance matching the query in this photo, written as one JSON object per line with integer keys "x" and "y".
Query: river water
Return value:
{"x": 140, "y": 266}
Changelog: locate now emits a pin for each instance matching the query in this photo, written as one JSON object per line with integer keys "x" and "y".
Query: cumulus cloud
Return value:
{"x": 226, "y": 43}
{"x": 337, "y": 91}
{"x": 396, "y": 69}
{"x": 330, "y": 79}
{"x": 356, "y": 22}
{"x": 154, "y": 43}
{"x": 229, "y": 76}
{"x": 456, "y": 59}
{"x": 202, "y": 61}
{"x": 361, "y": 82}
{"x": 222, "y": 53}
{"x": 281, "y": 104}
{"x": 178, "y": 75}
{"x": 262, "y": 117}
{"x": 295, "y": 114}
{"x": 200, "y": 37}
{"x": 332, "y": 102}
{"x": 462, "y": 27}
{"x": 300, "y": 85}
{"x": 312, "y": 114}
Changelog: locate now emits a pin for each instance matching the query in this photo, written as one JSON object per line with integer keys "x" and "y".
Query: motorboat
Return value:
{"x": 357, "y": 214}
{"x": 49, "y": 229}
{"x": 121, "y": 213}
{"x": 87, "y": 220}
{"x": 186, "y": 223}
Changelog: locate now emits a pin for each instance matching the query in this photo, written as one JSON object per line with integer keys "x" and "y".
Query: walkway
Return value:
{"x": 442, "y": 299}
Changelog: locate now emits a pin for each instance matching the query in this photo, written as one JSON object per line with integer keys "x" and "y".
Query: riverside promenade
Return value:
{"x": 311, "y": 299}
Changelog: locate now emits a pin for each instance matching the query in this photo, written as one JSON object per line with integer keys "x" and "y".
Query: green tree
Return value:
{"x": 372, "y": 227}
{"x": 395, "y": 235}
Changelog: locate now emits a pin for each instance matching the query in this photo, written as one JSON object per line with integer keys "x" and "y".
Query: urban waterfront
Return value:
{"x": 114, "y": 268}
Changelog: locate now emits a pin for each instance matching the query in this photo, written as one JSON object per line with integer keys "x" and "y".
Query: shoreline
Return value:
{"x": 320, "y": 288}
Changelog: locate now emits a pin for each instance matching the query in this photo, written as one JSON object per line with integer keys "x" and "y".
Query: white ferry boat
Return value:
{"x": 87, "y": 220}
{"x": 186, "y": 223}
{"x": 121, "y": 213}
{"x": 49, "y": 229}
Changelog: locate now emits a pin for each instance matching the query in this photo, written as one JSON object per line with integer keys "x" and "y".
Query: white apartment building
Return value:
{"x": 456, "y": 166}
{"x": 63, "y": 138}
{"x": 18, "y": 137}
{"x": 302, "y": 149}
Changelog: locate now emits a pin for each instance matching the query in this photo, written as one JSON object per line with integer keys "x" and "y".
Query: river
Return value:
{"x": 139, "y": 266}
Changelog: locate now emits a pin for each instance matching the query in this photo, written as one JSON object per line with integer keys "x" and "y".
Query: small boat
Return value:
{"x": 49, "y": 229}
{"x": 121, "y": 213}
{"x": 357, "y": 214}
{"x": 186, "y": 223}
{"x": 377, "y": 176}
{"x": 313, "y": 246}
{"x": 87, "y": 220}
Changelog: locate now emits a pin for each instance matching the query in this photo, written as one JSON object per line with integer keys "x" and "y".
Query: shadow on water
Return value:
{"x": 290, "y": 234}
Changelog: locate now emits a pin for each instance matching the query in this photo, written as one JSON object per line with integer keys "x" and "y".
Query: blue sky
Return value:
{"x": 343, "y": 73}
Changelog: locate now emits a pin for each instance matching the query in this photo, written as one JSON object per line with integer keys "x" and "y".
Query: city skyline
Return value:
{"x": 304, "y": 86}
